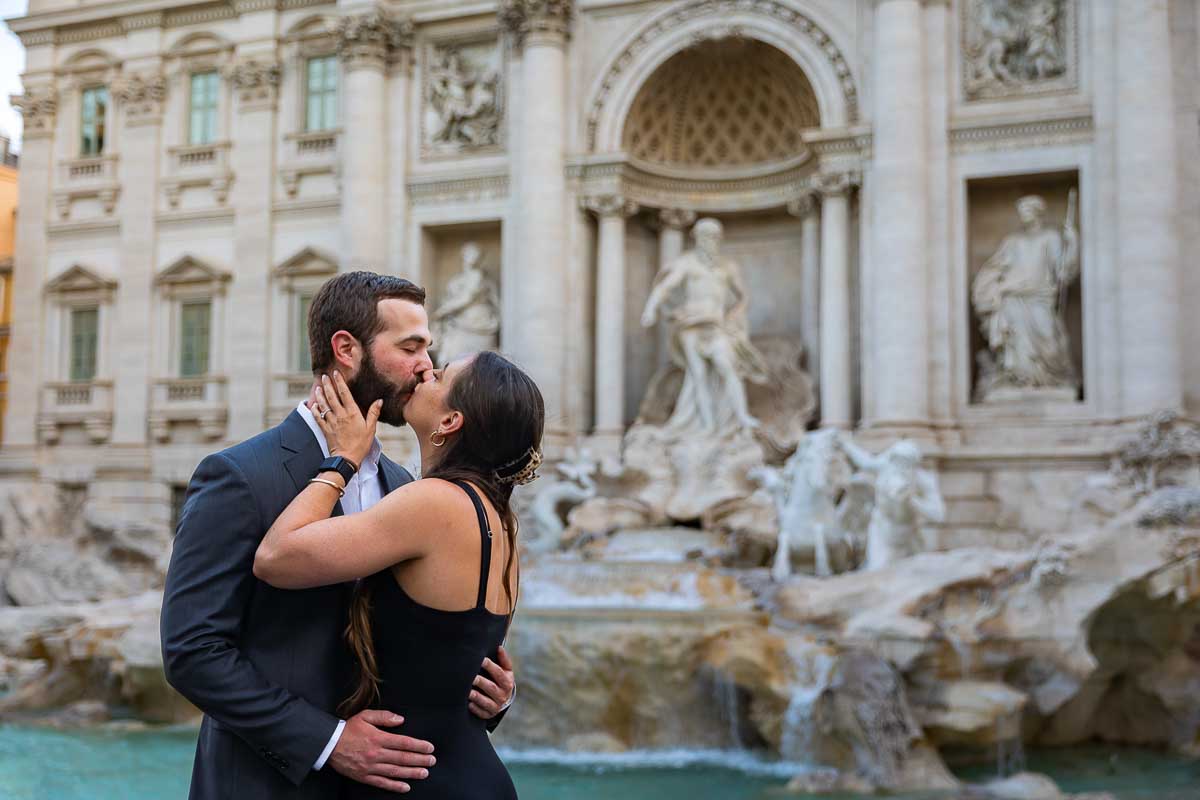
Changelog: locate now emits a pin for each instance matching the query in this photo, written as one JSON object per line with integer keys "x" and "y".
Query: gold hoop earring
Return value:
{"x": 435, "y": 442}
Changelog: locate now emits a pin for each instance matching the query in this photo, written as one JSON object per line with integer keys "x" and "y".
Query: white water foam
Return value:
{"x": 738, "y": 760}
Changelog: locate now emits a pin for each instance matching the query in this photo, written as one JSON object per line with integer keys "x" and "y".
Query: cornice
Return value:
{"x": 104, "y": 20}
{"x": 970, "y": 134}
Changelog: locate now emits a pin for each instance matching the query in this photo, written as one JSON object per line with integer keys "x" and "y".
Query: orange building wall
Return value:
{"x": 8, "y": 226}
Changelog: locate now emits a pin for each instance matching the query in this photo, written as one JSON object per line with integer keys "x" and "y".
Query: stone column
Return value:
{"x": 837, "y": 364}
{"x": 672, "y": 234}
{"x": 899, "y": 294}
{"x": 38, "y": 108}
{"x": 540, "y": 28}
{"x": 366, "y": 44}
{"x": 256, "y": 88}
{"x": 1147, "y": 197}
{"x": 140, "y": 98}
{"x": 612, "y": 211}
{"x": 808, "y": 210}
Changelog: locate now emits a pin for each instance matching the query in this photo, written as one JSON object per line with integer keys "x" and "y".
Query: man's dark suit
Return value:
{"x": 267, "y": 666}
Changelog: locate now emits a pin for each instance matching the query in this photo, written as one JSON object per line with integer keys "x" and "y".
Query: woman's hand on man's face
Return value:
{"x": 348, "y": 434}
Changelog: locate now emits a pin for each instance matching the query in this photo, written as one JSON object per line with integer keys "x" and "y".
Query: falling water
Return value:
{"x": 726, "y": 693}
{"x": 1010, "y": 753}
{"x": 798, "y": 742}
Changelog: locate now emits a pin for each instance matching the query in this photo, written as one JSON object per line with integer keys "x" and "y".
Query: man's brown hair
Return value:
{"x": 350, "y": 302}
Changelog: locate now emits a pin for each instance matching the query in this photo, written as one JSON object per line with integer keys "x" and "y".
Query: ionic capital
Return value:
{"x": 676, "y": 218}
{"x": 805, "y": 205}
{"x": 141, "y": 96}
{"x": 610, "y": 205}
{"x": 373, "y": 39}
{"x": 836, "y": 183}
{"x": 549, "y": 19}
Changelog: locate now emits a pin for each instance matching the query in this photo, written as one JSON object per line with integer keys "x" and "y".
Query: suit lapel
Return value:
{"x": 391, "y": 475}
{"x": 303, "y": 453}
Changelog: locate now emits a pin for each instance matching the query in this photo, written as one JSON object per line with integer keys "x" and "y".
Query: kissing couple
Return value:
{"x": 339, "y": 623}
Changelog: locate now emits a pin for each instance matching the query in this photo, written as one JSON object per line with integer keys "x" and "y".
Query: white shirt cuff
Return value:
{"x": 333, "y": 740}
{"x": 511, "y": 697}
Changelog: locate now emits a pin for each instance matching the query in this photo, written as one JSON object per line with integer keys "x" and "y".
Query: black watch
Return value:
{"x": 339, "y": 464}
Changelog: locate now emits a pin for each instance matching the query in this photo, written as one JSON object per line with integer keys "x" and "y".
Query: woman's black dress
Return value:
{"x": 427, "y": 661}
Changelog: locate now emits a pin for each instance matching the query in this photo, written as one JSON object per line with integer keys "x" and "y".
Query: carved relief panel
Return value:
{"x": 1014, "y": 48}
{"x": 462, "y": 97}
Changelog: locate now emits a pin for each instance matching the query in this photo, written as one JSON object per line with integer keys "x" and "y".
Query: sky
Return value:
{"x": 12, "y": 64}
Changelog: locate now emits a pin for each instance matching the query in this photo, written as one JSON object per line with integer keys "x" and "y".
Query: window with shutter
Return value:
{"x": 303, "y": 356}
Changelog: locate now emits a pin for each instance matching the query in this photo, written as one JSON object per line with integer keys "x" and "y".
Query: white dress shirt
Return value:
{"x": 363, "y": 491}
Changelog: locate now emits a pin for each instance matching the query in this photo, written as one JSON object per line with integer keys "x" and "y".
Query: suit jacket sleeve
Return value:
{"x": 208, "y": 589}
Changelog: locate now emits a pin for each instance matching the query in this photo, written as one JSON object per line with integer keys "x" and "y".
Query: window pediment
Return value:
{"x": 78, "y": 280}
{"x": 191, "y": 271}
{"x": 308, "y": 262}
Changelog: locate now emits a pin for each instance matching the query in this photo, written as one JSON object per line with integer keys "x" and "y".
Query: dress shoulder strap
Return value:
{"x": 485, "y": 535}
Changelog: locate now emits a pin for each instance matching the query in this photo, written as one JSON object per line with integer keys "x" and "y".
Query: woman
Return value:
{"x": 439, "y": 588}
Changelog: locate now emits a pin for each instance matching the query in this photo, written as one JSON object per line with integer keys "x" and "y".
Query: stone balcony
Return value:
{"x": 286, "y": 392}
{"x": 200, "y": 402}
{"x": 78, "y": 404}
{"x": 308, "y": 155}
{"x": 91, "y": 178}
{"x": 200, "y": 167}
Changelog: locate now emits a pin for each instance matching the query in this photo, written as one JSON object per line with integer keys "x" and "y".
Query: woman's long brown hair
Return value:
{"x": 503, "y": 416}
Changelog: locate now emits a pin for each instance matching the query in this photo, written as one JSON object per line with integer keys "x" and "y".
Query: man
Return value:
{"x": 268, "y": 666}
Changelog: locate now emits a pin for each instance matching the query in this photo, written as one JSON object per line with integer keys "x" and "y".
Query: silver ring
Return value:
{"x": 323, "y": 413}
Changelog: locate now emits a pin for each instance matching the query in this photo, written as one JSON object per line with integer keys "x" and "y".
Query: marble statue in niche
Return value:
{"x": 1019, "y": 296}
{"x": 904, "y": 496}
{"x": 706, "y": 304}
{"x": 1013, "y": 44}
{"x": 463, "y": 105}
{"x": 468, "y": 320}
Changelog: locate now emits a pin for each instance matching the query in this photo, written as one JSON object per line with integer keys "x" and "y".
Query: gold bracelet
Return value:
{"x": 341, "y": 492}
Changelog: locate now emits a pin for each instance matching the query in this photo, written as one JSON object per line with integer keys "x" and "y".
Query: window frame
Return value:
{"x": 99, "y": 121}
{"x": 72, "y": 313}
{"x": 332, "y": 75}
{"x": 212, "y": 107}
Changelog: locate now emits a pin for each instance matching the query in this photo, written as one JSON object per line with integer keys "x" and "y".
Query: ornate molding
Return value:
{"x": 550, "y": 18}
{"x": 704, "y": 192}
{"x": 141, "y": 96}
{"x": 373, "y": 39}
{"x": 609, "y": 205}
{"x": 38, "y": 107}
{"x": 256, "y": 82}
{"x": 718, "y": 10}
{"x": 138, "y": 22}
{"x": 991, "y": 135}
{"x": 466, "y": 189}
{"x": 676, "y": 218}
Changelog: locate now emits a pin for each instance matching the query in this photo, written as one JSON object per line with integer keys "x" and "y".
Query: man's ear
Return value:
{"x": 347, "y": 353}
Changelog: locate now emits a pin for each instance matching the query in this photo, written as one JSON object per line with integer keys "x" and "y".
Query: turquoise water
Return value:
{"x": 113, "y": 764}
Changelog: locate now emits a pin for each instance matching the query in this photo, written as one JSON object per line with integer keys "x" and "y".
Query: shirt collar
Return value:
{"x": 372, "y": 455}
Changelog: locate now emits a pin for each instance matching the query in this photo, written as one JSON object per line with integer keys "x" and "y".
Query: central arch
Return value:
{"x": 779, "y": 24}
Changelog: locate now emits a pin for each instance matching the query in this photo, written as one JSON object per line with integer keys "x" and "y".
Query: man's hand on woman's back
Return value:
{"x": 372, "y": 756}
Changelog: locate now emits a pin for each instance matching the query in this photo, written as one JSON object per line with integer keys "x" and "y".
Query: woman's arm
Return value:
{"x": 306, "y": 547}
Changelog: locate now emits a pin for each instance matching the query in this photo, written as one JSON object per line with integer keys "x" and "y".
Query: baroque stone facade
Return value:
{"x": 863, "y": 156}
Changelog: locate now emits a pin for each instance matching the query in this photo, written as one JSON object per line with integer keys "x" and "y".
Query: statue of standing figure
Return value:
{"x": 1020, "y": 296}
{"x": 709, "y": 337}
{"x": 468, "y": 320}
{"x": 905, "y": 496}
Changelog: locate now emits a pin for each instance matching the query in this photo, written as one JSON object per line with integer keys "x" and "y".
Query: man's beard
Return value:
{"x": 368, "y": 386}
